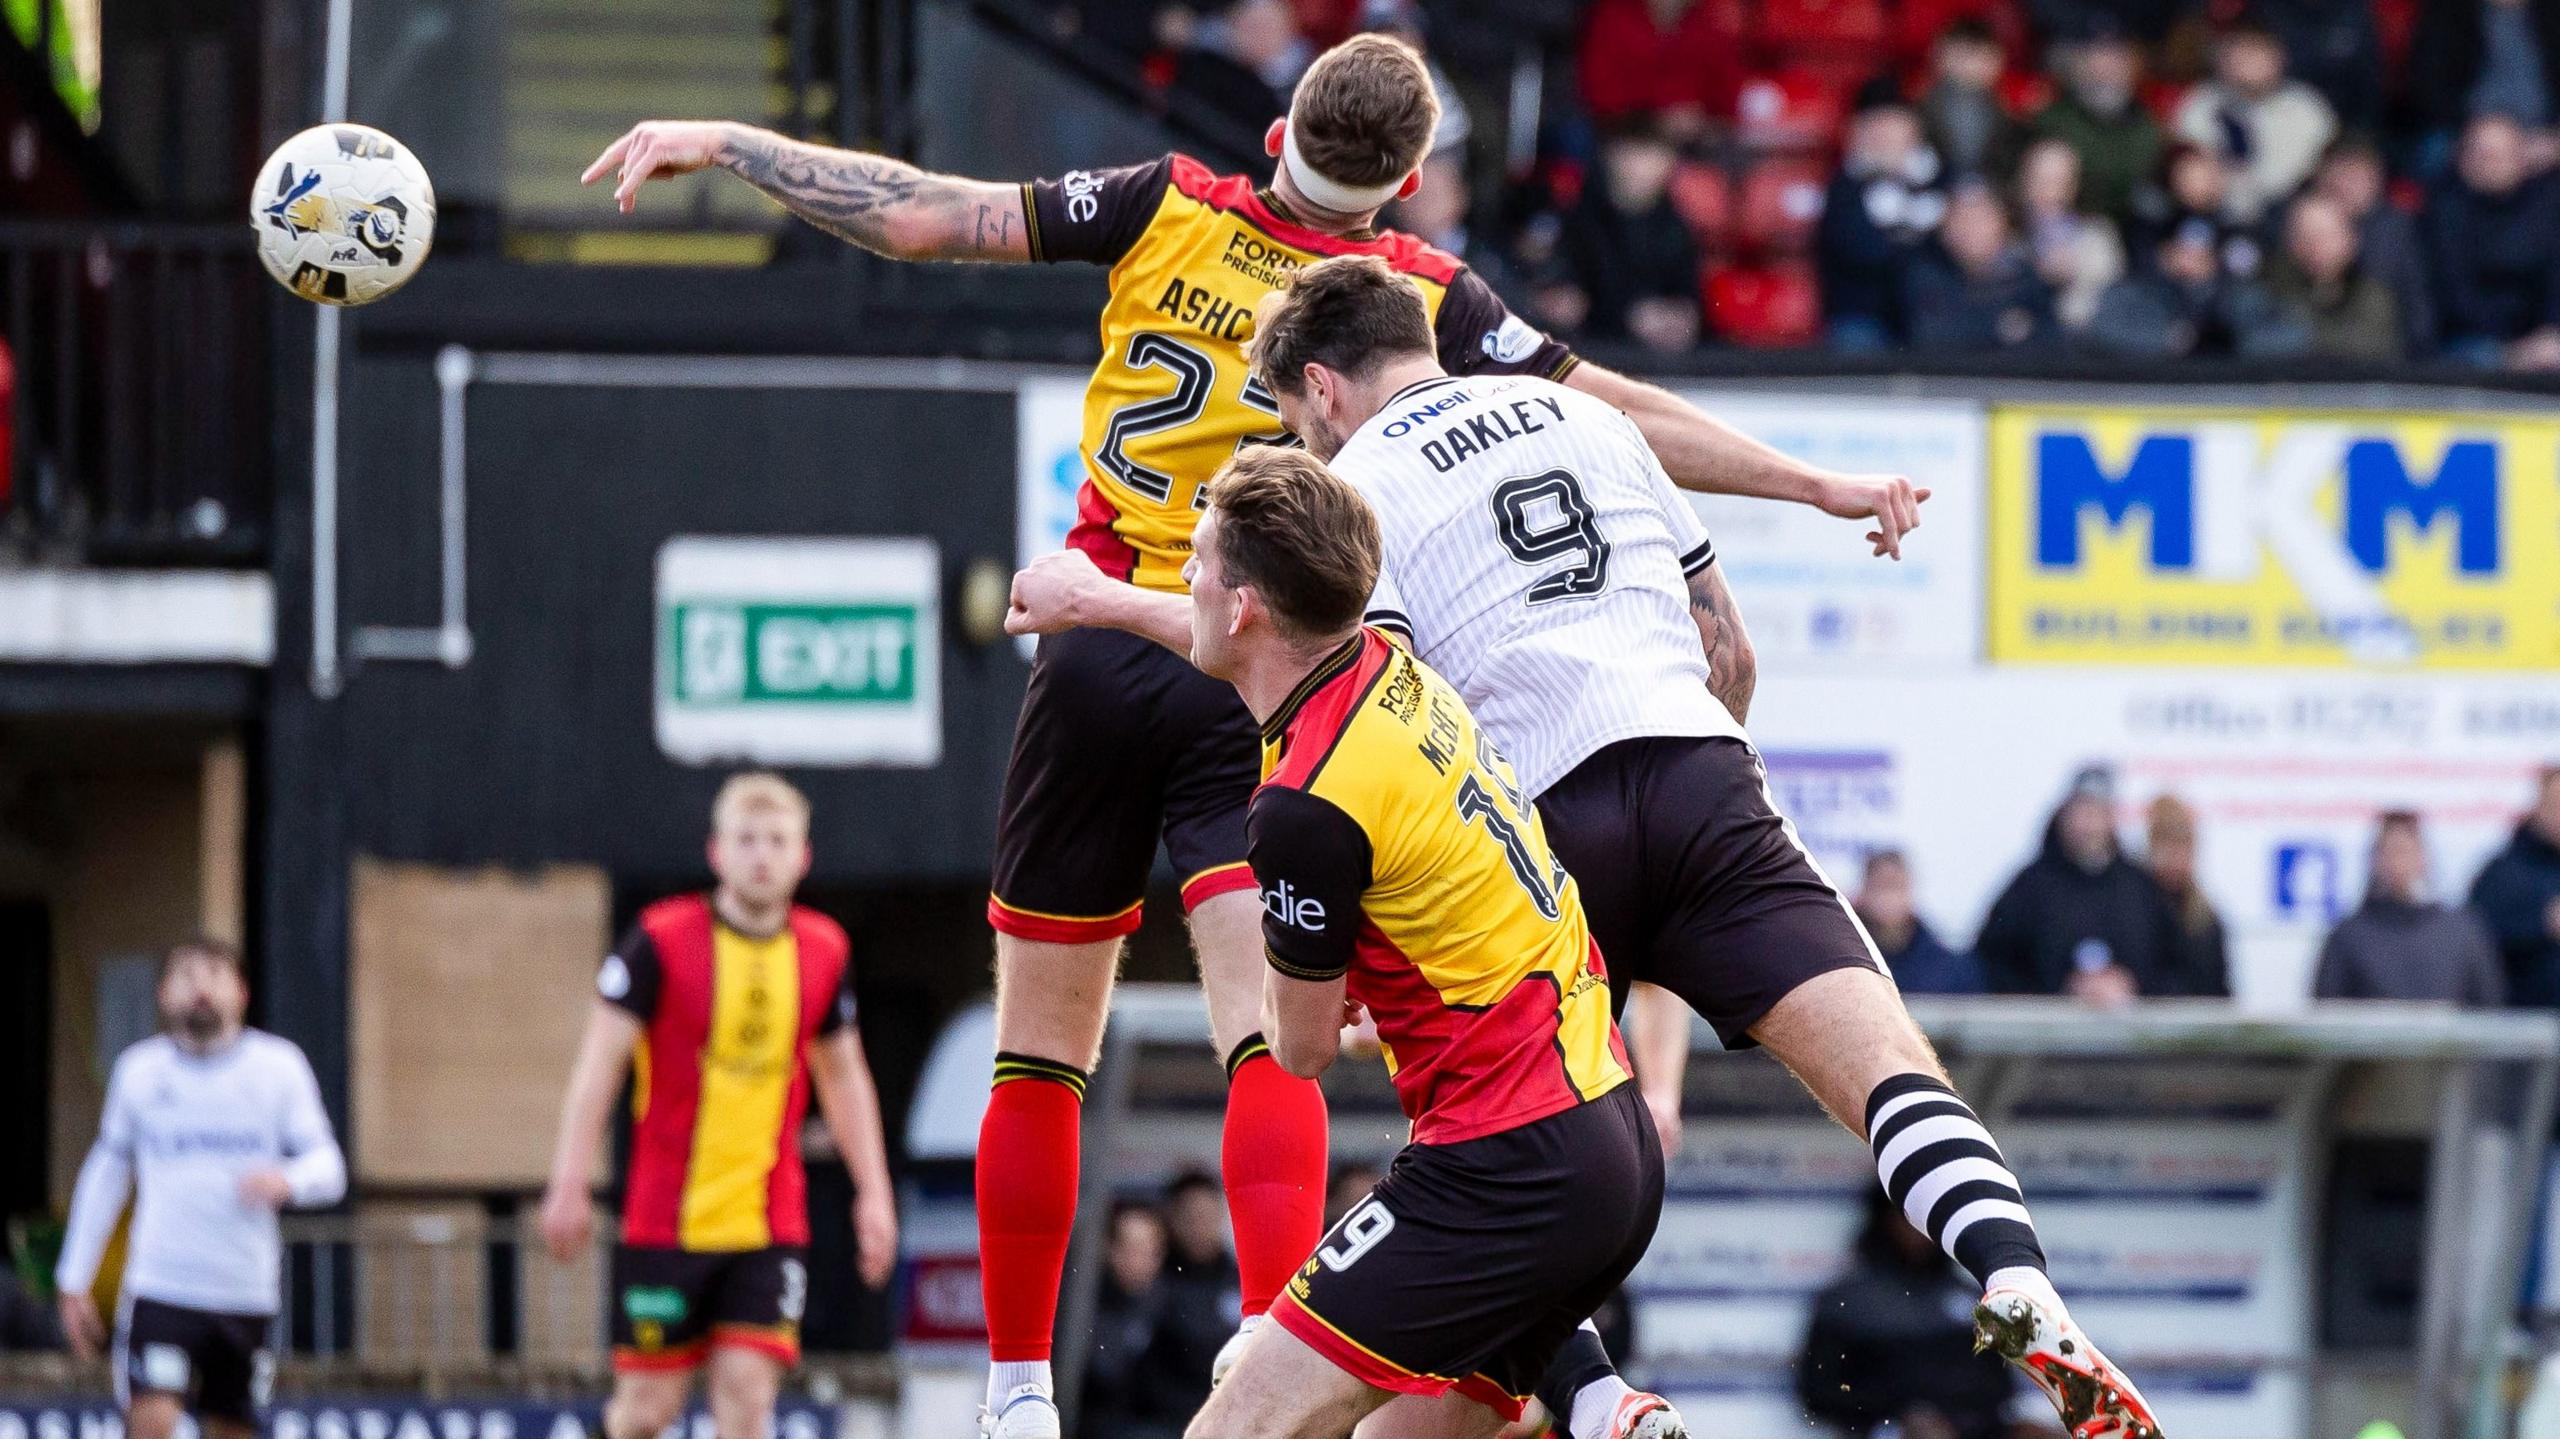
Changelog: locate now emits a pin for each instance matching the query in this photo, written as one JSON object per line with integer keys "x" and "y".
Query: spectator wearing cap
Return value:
{"x": 1921, "y": 962}
{"x": 1627, "y": 251}
{"x": 2400, "y": 944}
{"x": 2185, "y": 302}
{"x": 2518, "y": 895}
{"x": 2077, "y": 253}
{"x": 2353, "y": 176}
{"x": 2484, "y": 57}
{"x": 1976, "y": 290}
{"x": 2269, "y": 129}
{"x": 2493, "y": 228}
{"x": 1664, "y": 58}
{"x": 2099, "y": 115}
{"x": 1971, "y": 129}
{"x": 2199, "y": 961}
{"x": 2327, "y": 301}
{"x": 2080, "y": 918}
{"x": 1883, "y": 205}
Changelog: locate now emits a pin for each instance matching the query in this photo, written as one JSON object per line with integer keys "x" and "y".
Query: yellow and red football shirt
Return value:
{"x": 721, "y": 1073}
{"x": 1394, "y": 848}
{"x": 1191, "y": 253}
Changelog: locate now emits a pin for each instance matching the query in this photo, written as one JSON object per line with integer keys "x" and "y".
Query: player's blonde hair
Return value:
{"x": 749, "y": 791}
{"x": 1364, "y": 112}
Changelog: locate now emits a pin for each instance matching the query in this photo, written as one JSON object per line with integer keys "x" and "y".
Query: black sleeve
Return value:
{"x": 1312, "y": 862}
{"x": 1094, "y": 215}
{"x": 840, "y": 1007}
{"x": 630, "y": 975}
{"x": 1479, "y": 335}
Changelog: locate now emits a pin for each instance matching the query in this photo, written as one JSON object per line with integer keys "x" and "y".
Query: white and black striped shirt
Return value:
{"x": 1539, "y": 558}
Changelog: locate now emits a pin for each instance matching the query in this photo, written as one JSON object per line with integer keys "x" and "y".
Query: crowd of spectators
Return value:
{"x": 2363, "y": 181}
{"x": 2084, "y": 918}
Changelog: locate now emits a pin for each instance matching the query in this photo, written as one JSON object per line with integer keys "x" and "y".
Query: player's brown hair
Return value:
{"x": 1346, "y": 314}
{"x": 1301, "y": 537}
{"x": 1365, "y": 111}
{"x": 755, "y": 789}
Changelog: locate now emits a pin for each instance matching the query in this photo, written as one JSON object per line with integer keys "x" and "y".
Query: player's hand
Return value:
{"x": 1359, "y": 1032}
{"x": 568, "y": 1221}
{"x": 1665, "y": 1112}
{"x": 1047, "y": 592}
{"x": 1890, "y": 500}
{"x": 656, "y": 149}
{"x": 81, "y": 1327}
{"x": 875, "y": 1236}
{"x": 266, "y": 1189}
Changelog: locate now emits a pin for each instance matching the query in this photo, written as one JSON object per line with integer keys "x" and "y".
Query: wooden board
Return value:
{"x": 469, "y": 989}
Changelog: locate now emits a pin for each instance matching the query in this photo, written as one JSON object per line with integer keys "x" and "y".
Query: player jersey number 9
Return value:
{"x": 1194, "y": 375}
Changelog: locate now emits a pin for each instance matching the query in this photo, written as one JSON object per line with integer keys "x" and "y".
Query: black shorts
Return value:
{"x": 1468, "y": 1266}
{"x": 1121, "y": 743}
{"x": 672, "y": 1307}
{"x": 1693, "y": 881}
{"x": 218, "y": 1364}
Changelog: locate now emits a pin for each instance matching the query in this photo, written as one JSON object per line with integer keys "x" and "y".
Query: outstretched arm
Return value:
{"x": 1705, "y": 454}
{"x": 1733, "y": 669}
{"x": 1064, "y": 590}
{"x": 885, "y": 205}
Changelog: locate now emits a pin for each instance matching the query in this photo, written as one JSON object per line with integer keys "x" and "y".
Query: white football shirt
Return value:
{"x": 1539, "y": 557}
{"x": 189, "y": 1128}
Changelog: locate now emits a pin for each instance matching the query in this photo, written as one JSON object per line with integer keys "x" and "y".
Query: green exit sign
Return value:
{"x": 799, "y": 650}
{"x": 733, "y": 653}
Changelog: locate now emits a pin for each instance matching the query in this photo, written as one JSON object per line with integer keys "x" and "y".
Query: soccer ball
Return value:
{"x": 344, "y": 214}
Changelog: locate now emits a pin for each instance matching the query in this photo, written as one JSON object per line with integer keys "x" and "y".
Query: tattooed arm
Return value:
{"x": 886, "y": 206}
{"x": 1733, "y": 670}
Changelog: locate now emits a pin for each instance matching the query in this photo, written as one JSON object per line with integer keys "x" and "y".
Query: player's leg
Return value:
{"x": 156, "y": 1365}
{"x": 1282, "y": 1388}
{"x": 1272, "y": 1153}
{"x": 662, "y": 1313}
{"x": 743, "y": 1384}
{"x": 1074, "y": 840}
{"x": 152, "y": 1414}
{"x": 233, "y": 1372}
{"x": 645, "y": 1402}
{"x": 1450, "y": 1416}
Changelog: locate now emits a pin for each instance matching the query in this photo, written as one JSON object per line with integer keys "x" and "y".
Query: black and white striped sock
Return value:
{"x": 1942, "y": 1170}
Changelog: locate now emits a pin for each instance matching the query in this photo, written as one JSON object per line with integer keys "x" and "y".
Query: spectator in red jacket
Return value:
{"x": 1666, "y": 57}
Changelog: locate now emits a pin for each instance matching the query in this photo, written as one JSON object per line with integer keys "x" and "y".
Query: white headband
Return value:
{"x": 1331, "y": 194}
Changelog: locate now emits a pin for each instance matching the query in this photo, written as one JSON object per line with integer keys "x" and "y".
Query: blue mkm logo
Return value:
{"x": 2192, "y": 484}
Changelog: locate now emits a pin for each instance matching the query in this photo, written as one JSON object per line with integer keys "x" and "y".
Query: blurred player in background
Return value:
{"x": 729, "y": 1008}
{"x": 220, "y": 1126}
{"x": 1402, "y": 867}
{"x": 1119, "y": 745}
{"x": 1537, "y": 553}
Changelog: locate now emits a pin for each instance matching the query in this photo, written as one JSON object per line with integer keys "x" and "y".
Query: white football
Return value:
{"x": 344, "y": 214}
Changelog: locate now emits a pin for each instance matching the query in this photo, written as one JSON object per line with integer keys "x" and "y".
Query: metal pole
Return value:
{"x": 2440, "y": 1301}
{"x": 326, "y": 681}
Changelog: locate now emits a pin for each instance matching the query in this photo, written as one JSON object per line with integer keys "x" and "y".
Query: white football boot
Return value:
{"x": 1233, "y": 1349}
{"x": 1646, "y": 1416}
{"x": 2022, "y": 1320}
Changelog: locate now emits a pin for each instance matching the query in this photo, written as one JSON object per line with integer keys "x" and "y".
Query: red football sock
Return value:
{"x": 1273, "y": 1157}
{"x": 1027, "y": 1170}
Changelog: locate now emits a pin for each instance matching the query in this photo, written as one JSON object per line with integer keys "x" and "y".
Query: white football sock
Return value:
{"x": 1595, "y": 1404}
{"x": 1006, "y": 1376}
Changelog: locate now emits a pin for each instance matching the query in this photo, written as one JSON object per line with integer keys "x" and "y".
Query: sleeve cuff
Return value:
{"x": 1300, "y": 971}
{"x": 1390, "y": 620}
{"x": 1699, "y": 558}
{"x": 1031, "y": 222}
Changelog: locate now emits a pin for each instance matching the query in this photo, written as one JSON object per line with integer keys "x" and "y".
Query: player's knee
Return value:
{"x": 643, "y": 1410}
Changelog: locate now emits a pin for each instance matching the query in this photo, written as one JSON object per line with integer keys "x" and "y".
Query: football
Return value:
{"x": 344, "y": 214}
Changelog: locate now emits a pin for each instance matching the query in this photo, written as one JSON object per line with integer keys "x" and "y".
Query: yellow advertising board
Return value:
{"x": 2197, "y": 536}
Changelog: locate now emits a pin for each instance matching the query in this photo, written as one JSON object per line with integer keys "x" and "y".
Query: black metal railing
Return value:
{"x": 137, "y": 417}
